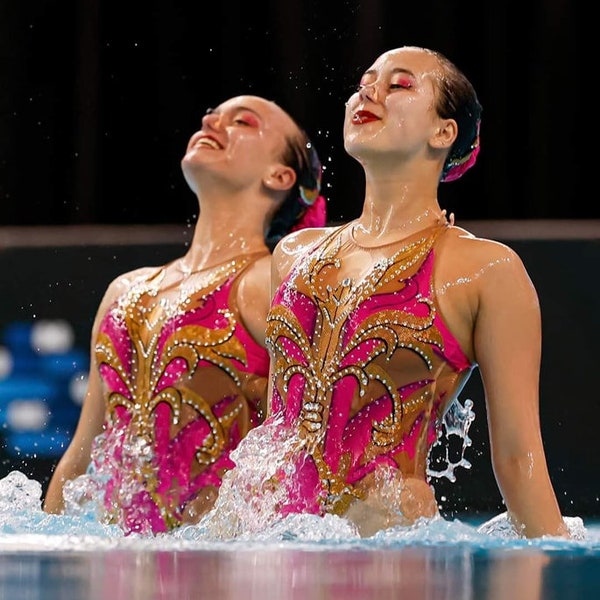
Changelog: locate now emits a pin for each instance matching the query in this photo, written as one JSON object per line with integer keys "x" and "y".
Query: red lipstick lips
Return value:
{"x": 363, "y": 116}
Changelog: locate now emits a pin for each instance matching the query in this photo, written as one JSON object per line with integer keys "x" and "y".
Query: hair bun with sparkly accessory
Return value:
{"x": 456, "y": 167}
{"x": 314, "y": 205}
{"x": 458, "y": 163}
{"x": 305, "y": 206}
{"x": 315, "y": 215}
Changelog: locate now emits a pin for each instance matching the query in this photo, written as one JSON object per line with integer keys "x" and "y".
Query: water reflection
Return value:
{"x": 452, "y": 573}
{"x": 302, "y": 557}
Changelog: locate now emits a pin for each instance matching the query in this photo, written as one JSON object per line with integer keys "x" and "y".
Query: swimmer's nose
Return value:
{"x": 368, "y": 92}
{"x": 211, "y": 120}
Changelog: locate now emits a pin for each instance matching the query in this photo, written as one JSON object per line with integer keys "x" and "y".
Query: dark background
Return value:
{"x": 98, "y": 98}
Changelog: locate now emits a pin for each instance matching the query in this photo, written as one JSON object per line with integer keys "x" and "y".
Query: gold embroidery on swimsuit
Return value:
{"x": 320, "y": 364}
{"x": 144, "y": 319}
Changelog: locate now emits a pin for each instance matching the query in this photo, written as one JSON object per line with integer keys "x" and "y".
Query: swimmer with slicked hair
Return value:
{"x": 178, "y": 360}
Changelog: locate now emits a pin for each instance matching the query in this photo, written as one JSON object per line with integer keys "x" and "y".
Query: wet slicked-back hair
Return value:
{"x": 300, "y": 155}
{"x": 456, "y": 99}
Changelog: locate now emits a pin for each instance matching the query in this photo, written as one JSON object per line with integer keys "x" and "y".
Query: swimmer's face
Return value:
{"x": 394, "y": 107}
{"x": 239, "y": 139}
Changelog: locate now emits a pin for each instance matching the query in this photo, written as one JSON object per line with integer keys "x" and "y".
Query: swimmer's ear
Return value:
{"x": 444, "y": 134}
{"x": 280, "y": 177}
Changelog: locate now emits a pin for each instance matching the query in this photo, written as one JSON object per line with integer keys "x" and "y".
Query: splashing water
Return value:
{"x": 23, "y": 524}
{"x": 113, "y": 488}
{"x": 250, "y": 495}
{"x": 456, "y": 422}
{"x": 247, "y": 508}
{"x": 21, "y": 513}
{"x": 17, "y": 492}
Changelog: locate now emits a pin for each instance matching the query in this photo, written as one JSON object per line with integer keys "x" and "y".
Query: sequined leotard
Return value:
{"x": 364, "y": 366}
{"x": 183, "y": 382}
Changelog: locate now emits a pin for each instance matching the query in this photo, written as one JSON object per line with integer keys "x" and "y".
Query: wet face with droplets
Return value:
{"x": 393, "y": 110}
{"x": 239, "y": 140}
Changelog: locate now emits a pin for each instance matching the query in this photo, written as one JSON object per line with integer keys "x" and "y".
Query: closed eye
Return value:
{"x": 245, "y": 118}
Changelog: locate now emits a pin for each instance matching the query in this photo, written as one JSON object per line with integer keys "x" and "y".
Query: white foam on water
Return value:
{"x": 24, "y": 526}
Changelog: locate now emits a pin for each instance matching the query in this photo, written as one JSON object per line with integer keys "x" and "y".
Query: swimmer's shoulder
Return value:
{"x": 478, "y": 248}
{"x": 462, "y": 250}
{"x": 297, "y": 244}
{"x": 123, "y": 283}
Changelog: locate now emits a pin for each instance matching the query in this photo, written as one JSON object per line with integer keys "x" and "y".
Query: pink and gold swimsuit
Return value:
{"x": 184, "y": 383}
{"x": 364, "y": 366}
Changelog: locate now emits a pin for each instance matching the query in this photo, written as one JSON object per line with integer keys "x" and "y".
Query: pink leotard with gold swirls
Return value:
{"x": 184, "y": 383}
{"x": 364, "y": 366}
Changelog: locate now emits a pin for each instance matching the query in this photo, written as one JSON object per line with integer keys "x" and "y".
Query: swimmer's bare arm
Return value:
{"x": 76, "y": 458}
{"x": 507, "y": 346}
